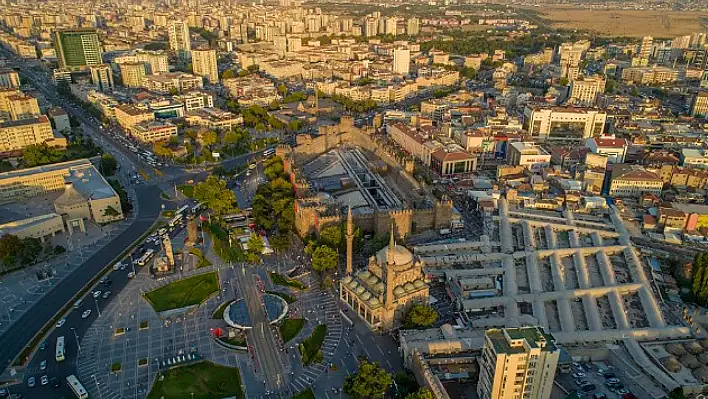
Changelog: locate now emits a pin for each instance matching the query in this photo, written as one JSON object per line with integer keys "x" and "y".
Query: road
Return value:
{"x": 270, "y": 363}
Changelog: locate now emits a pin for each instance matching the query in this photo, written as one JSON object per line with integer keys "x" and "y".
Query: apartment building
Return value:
{"x": 204, "y": 64}
{"x": 128, "y": 116}
{"x": 528, "y": 155}
{"x": 151, "y": 131}
{"x": 172, "y": 82}
{"x": 694, "y": 157}
{"x": 615, "y": 149}
{"x": 699, "y": 105}
{"x": 564, "y": 123}
{"x": 180, "y": 42}
{"x": 195, "y": 99}
{"x": 21, "y": 106}
{"x": 213, "y": 118}
{"x": 584, "y": 91}
{"x": 517, "y": 363}
{"x": 155, "y": 61}
{"x": 634, "y": 181}
{"x": 18, "y": 134}
{"x": 9, "y": 78}
{"x": 438, "y": 78}
{"x": 132, "y": 74}
{"x": 402, "y": 61}
{"x": 77, "y": 48}
{"x": 102, "y": 77}
{"x": 650, "y": 75}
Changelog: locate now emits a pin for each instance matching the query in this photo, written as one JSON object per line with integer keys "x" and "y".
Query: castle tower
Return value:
{"x": 390, "y": 263}
{"x": 350, "y": 240}
{"x": 168, "y": 250}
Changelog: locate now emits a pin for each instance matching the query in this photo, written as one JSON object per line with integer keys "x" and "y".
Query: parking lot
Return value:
{"x": 605, "y": 379}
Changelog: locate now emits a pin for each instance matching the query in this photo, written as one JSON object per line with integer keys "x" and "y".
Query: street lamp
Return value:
{"x": 78, "y": 345}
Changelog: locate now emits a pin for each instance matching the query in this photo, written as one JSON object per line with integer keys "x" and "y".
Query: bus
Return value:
{"x": 145, "y": 257}
{"x": 60, "y": 349}
{"x": 233, "y": 217}
{"x": 76, "y": 387}
{"x": 197, "y": 208}
{"x": 182, "y": 210}
{"x": 175, "y": 221}
{"x": 269, "y": 152}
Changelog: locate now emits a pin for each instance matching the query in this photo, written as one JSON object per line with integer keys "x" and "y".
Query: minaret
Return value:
{"x": 350, "y": 240}
{"x": 390, "y": 262}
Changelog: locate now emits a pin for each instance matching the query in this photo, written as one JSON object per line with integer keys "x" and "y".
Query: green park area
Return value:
{"x": 202, "y": 261}
{"x": 310, "y": 348}
{"x": 279, "y": 279}
{"x": 189, "y": 291}
{"x": 306, "y": 394}
{"x": 287, "y": 297}
{"x": 219, "y": 312}
{"x": 203, "y": 380}
{"x": 290, "y": 328}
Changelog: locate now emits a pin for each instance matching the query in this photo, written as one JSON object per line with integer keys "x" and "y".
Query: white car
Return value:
{"x": 43, "y": 365}
{"x": 31, "y": 382}
{"x": 117, "y": 266}
{"x": 97, "y": 294}
{"x": 86, "y": 313}
{"x": 578, "y": 375}
{"x": 61, "y": 323}
{"x": 131, "y": 275}
{"x": 44, "y": 380}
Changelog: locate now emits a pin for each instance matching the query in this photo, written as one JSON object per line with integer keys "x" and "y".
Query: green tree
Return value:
{"x": 369, "y": 381}
{"x": 11, "y": 247}
{"x": 161, "y": 150}
{"x": 5, "y": 166}
{"x": 419, "y": 316}
{"x": 110, "y": 212}
{"x": 227, "y": 74}
{"x": 422, "y": 393}
{"x": 324, "y": 259}
{"x": 209, "y": 138}
{"x": 282, "y": 89}
{"x": 108, "y": 165}
{"x": 255, "y": 244}
{"x": 563, "y": 82}
{"x": 332, "y": 236}
{"x": 405, "y": 384}
{"x": 214, "y": 193}
{"x": 677, "y": 394}
{"x": 40, "y": 154}
{"x": 173, "y": 91}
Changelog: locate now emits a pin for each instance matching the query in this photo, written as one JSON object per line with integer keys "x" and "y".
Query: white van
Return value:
{"x": 78, "y": 303}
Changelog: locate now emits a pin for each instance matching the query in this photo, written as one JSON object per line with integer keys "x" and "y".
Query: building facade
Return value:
{"x": 132, "y": 74}
{"x": 564, "y": 123}
{"x": 204, "y": 64}
{"x": 180, "y": 42}
{"x": 102, "y": 77}
{"x": 77, "y": 48}
{"x": 16, "y": 135}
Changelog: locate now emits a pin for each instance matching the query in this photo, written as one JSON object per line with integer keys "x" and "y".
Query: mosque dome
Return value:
{"x": 360, "y": 289}
{"x": 401, "y": 256}
{"x": 418, "y": 284}
{"x": 399, "y": 291}
{"x": 409, "y": 287}
{"x": 364, "y": 275}
{"x": 366, "y": 296}
{"x": 347, "y": 279}
{"x": 374, "y": 302}
{"x": 380, "y": 287}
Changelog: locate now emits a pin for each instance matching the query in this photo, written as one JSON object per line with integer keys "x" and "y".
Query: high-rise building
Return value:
{"x": 132, "y": 74}
{"x": 102, "y": 77}
{"x": 9, "y": 78}
{"x": 517, "y": 363}
{"x": 77, "y": 48}
{"x": 180, "y": 42}
{"x": 645, "y": 47}
{"x": 401, "y": 61}
{"x": 412, "y": 26}
{"x": 699, "y": 105}
{"x": 391, "y": 26}
{"x": 371, "y": 27}
{"x": 204, "y": 64}
{"x": 22, "y": 107}
{"x": 583, "y": 92}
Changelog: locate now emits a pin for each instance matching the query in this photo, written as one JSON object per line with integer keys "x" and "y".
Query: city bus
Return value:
{"x": 60, "y": 349}
{"x": 175, "y": 221}
{"x": 233, "y": 217}
{"x": 269, "y": 152}
{"x": 182, "y": 210}
{"x": 197, "y": 208}
{"x": 145, "y": 257}
{"x": 76, "y": 387}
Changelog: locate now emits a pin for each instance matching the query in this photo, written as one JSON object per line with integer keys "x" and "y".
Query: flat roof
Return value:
{"x": 44, "y": 169}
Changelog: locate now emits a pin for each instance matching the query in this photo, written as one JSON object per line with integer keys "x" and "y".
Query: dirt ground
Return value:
{"x": 633, "y": 23}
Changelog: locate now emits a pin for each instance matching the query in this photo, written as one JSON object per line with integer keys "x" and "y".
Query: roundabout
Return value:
{"x": 236, "y": 313}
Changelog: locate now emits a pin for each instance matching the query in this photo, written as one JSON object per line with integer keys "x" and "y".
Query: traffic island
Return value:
{"x": 306, "y": 394}
{"x": 203, "y": 379}
{"x": 116, "y": 367}
{"x": 290, "y": 328}
{"x": 182, "y": 293}
{"x": 310, "y": 348}
{"x": 279, "y": 279}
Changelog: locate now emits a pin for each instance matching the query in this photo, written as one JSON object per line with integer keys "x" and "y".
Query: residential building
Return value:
{"x": 128, "y": 116}
{"x": 18, "y": 134}
{"x": 60, "y": 119}
{"x": 102, "y": 77}
{"x": 151, "y": 131}
{"x": 564, "y": 123}
{"x": 402, "y": 61}
{"x": 180, "y": 42}
{"x": 452, "y": 162}
{"x": 9, "y": 78}
{"x": 650, "y": 75}
{"x": 528, "y": 155}
{"x": 172, "y": 82}
{"x": 517, "y": 363}
{"x": 615, "y": 149}
{"x": 77, "y": 48}
{"x": 570, "y": 55}
{"x": 694, "y": 157}
{"x": 699, "y": 105}
{"x": 204, "y": 64}
{"x": 584, "y": 91}
{"x": 21, "y": 106}
{"x": 644, "y": 49}
{"x": 132, "y": 74}
{"x": 213, "y": 118}
{"x": 634, "y": 181}
{"x": 155, "y": 61}
{"x": 195, "y": 99}
{"x": 412, "y": 26}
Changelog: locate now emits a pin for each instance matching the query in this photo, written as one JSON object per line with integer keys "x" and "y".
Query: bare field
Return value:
{"x": 632, "y": 23}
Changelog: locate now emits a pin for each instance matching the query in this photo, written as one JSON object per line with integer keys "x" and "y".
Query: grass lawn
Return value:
{"x": 203, "y": 261}
{"x": 306, "y": 394}
{"x": 279, "y": 279}
{"x": 310, "y": 347}
{"x": 219, "y": 312}
{"x": 235, "y": 341}
{"x": 187, "y": 190}
{"x": 168, "y": 214}
{"x": 288, "y": 298}
{"x": 290, "y": 328}
{"x": 189, "y": 291}
{"x": 204, "y": 379}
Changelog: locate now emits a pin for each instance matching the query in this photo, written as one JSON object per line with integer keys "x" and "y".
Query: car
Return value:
{"x": 31, "y": 382}
{"x": 55, "y": 382}
{"x": 43, "y": 365}
{"x": 599, "y": 395}
{"x": 609, "y": 375}
{"x": 96, "y": 294}
{"x": 629, "y": 395}
{"x": 3, "y": 393}
{"x": 588, "y": 387}
{"x": 622, "y": 391}
{"x": 44, "y": 345}
{"x": 581, "y": 382}
{"x": 44, "y": 380}
{"x": 131, "y": 275}
{"x": 86, "y": 313}
{"x": 103, "y": 279}
{"x": 123, "y": 267}
{"x": 251, "y": 166}
{"x": 579, "y": 374}
{"x": 106, "y": 294}
{"x": 60, "y": 323}
{"x": 117, "y": 266}
{"x": 613, "y": 381}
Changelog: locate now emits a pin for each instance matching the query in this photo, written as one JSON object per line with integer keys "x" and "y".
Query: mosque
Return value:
{"x": 381, "y": 293}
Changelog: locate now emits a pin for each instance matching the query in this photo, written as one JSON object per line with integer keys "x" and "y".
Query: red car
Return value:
{"x": 629, "y": 396}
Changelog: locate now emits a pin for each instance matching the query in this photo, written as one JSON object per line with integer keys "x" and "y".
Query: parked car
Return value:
{"x": 61, "y": 323}
{"x": 31, "y": 382}
{"x": 55, "y": 382}
{"x": 96, "y": 294}
{"x": 43, "y": 365}
{"x": 588, "y": 387}
{"x": 131, "y": 275}
{"x": 579, "y": 374}
{"x": 44, "y": 345}
{"x": 44, "y": 380}
{"x": 106, "y": 294}
{"x": 86, "y": 313}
